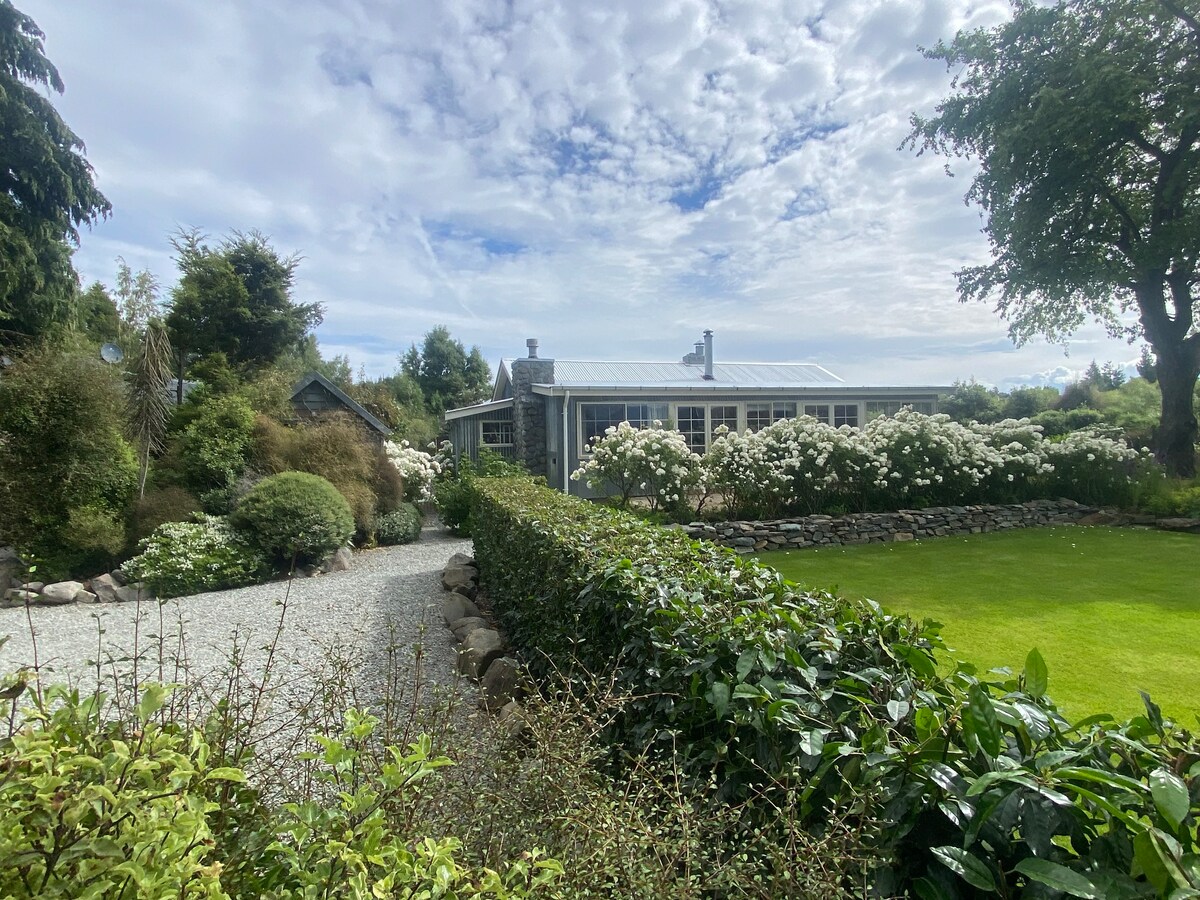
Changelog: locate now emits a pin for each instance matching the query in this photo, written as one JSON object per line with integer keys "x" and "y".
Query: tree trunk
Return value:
{"x": 1175, "y": 437}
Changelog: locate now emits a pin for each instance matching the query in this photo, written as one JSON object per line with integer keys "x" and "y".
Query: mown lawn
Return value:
{"x": 1112, "y": 610}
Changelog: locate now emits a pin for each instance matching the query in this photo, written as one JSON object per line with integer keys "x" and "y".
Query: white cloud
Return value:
{"x": 612, "y": 178}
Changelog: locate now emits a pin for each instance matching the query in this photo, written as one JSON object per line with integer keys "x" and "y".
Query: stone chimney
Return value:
{"x": 529, "y": 410}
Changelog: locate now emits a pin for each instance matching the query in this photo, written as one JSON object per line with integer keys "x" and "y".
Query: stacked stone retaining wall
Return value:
{"x": 878, "y": 528}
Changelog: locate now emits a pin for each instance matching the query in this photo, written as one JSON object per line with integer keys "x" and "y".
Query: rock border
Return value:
{"x": 111, "y": 587}
{"x": 484, "y": 654}
{"x": 914, "y": 524}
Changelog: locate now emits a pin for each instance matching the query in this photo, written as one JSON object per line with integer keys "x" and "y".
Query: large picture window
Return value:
{"x": 596, "y": 418}
{"x": 692, "y": 424}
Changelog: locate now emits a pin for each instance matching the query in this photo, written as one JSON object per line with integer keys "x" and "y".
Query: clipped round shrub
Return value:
{"x": 402, "y": 526}
{"x": 181, "y": 558}
{"x": 295, "y": 516}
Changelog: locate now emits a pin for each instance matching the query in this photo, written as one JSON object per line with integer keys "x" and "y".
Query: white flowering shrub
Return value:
{"x": 823, "y": 467}
{"x": 181, "y": 558}
{"x": 655, "y": 462}
{"x": 416, "y": 467}
{"x": 445, "y": 460}
{"x": 931, "y": 460}
{"x": 1093, "y": 467}
{"x": 1024, "y": 464}
{"x": 804, "y": 465}
{"x": 740, "y": 469}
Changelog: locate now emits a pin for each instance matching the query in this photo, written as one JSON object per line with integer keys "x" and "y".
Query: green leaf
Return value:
{"x": 812, "y": 742}
{"x": 718, "y": 696}
{"x": 980, "y": 718}
{"x": 1060, "y": 878}
{"x": 151, "y": 701}
{"x": 1170, "y": 796}
{"x": 973, "y": 871}
{"x": 227, "y": 773}
{"x": 745, "y": 663}
{"x": 897, "y": 709}
{"x": 1035, "y": 674}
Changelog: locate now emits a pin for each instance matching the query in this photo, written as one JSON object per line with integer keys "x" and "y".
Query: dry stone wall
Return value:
{"x": 877, "y": 528}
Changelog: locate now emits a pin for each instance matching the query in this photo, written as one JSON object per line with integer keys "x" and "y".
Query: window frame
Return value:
{"x": 508, "y": 423}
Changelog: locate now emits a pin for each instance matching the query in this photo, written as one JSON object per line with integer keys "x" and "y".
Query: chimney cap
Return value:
{"x": 532, "y": 344}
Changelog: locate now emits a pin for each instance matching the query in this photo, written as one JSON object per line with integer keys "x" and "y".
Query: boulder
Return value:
{"x": 1180, "y": 524}
{"x": 511, "y": 720}
{"x": 338, "y": 562}
{"x": 11, "y": 567}
{"x": 464, "y": 626}
{"x": 460, "y": 559}
{"x": 119, "y": 577}
{"x": 455, "y": 606}
{"x": 62, "y": 592}
{"x": 16, "y": 597}
{"x": 477, "y": 652}
{"x": 36, "y": 586}
{"x": 108, "y": 590}
{"x": 459, "y": 576}
{"x": 469, "y": 590}
{"x": 501, "y": 683}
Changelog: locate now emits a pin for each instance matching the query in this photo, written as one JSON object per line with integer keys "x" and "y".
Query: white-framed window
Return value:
{"x": 692, "y": 423}
{"x": 726, "y": 415}
{"x": 596, "y": 418}
{"x": 877, "y": 408}
{"x": 817, "y": 411}
{"x": 760, "y": 415}
{"x": 845, "y": 414}
{"x": 496, "y": 432}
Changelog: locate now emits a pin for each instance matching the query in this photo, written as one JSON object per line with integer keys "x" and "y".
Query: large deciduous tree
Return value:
{"x": 1084, "y": 118}
{"x": 46, "y": 187}
{"x": 236, "y": 299}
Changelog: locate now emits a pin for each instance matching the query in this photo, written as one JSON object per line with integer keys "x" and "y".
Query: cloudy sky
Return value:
{"x": 611, "y": 178}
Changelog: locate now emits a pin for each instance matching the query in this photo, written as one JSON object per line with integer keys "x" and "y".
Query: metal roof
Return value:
{"x": 571, "y": 373}
{"x": 477, "y": 408}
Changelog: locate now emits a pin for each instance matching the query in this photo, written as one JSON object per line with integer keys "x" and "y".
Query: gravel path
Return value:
{"x": 349, "y": 636}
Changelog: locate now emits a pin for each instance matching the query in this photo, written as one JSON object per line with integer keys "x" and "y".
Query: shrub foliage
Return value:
{"x": 191, "y": 557}
{"x": 402, "y": 526}
{"x": 977, "y": 785}
{"x": 295, "y": 516}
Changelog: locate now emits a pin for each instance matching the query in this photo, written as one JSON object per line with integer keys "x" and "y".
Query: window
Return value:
{"x": 877, "y": 408}
{"x": 722, "y": 415}
{"x": 817, "y": 411}
{"x": 845, "y": 414}
{"x": 596, "y": 418}
{"x": 760, "y": 415}
{"x": 690, "y": 421}
{"x": 496, "y": 433}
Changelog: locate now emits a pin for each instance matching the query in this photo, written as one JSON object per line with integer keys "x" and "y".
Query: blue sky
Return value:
{"x": 611, "y": 178}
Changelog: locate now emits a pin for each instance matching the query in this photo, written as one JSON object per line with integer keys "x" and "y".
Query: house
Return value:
{"x": 544, "y": 412}
{"x": 315, "y": 396}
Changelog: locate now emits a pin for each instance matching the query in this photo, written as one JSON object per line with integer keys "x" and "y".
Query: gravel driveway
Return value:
{"x": 349, "y": 635}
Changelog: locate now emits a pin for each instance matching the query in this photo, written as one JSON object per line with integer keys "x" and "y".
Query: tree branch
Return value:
{"x": 1183, "y": 15}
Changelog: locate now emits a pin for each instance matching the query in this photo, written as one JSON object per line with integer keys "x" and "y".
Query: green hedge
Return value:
{"x": 965, "y": 786}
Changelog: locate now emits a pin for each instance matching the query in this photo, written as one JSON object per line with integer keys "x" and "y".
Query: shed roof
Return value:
{"x": 342, "y": 397}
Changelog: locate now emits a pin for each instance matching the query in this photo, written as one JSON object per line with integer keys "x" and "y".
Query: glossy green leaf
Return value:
{"x": 1035, "y": 674}
{"x": 1060, "y": 878}
{"x": 968, "y": 867}
{"x": 1170, "y": 796}
{"x": 980, "y": 718}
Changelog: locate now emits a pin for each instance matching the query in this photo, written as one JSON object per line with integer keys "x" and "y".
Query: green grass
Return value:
{"x": 1112, "y": 610}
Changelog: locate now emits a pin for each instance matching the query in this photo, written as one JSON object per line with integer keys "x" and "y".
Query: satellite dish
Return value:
{"x": 111, "y": 353}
